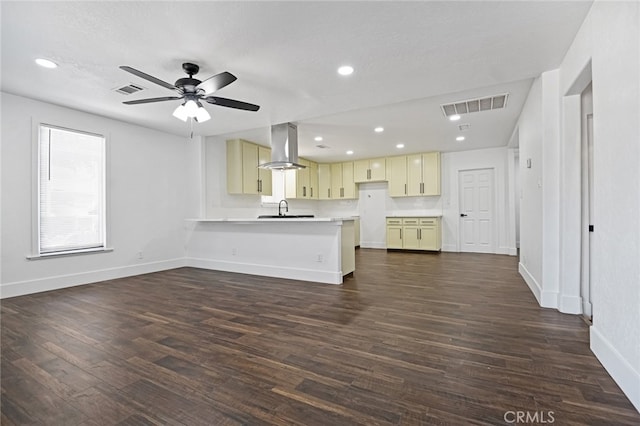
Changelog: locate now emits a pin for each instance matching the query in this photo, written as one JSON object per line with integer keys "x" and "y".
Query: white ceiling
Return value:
{"x": 409, "y": 57}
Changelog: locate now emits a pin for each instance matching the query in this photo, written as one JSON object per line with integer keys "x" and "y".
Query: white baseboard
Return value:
{"x": 327, "y": 277}
{"x": 373, "y": 245}
{"x": 618, "y": 368}
{"x": 511, "y": 251}
{"x": 549, "y": 299}
{"x": 570, "y": 304}
{"x": 535, "y": 288}
{"x": 21, "y": 288}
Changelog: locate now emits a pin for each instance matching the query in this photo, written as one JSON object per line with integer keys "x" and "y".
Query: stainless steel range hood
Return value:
{"x": 284, "y": 148}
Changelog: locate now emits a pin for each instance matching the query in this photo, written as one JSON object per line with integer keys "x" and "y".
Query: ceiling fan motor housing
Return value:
{"x": 188, "y": 84}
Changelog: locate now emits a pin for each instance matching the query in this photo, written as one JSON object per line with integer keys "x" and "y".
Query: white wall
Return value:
{"x": 452, "y": 164}
{"x": 148, "y": 201}
{"x": 608, "y": 44}
{"x": 531, "y": 170}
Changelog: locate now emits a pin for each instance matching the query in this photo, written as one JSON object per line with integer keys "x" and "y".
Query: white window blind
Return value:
{"x": 71, "y": 190}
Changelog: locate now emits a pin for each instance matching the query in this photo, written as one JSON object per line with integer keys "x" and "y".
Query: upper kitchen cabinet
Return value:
{"x": 313, "y": 181}
{"x": 371, "y": 170}
{"x": 423, "y": 174}
{"x": 243, "y": 174}
{"x": 342, "y": 183}
{"x": 397, "y": 176}
{"x": 324, "y": 181}
{"x": 302, "y": 183}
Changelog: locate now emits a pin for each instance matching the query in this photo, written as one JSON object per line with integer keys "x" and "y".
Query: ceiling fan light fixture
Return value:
{"x": 181, "y": 113}
{"x": 202, "y": 115}
{"x": 191, "y": 108}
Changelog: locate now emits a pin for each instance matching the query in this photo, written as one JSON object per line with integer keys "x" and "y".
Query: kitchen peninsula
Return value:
{"x": 300, "y": 248}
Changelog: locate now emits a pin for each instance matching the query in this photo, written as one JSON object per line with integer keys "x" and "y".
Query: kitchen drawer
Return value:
{"x": 410, "y": 221}
{"x": 394, "y": 221}
{"x": 429, "y": 221}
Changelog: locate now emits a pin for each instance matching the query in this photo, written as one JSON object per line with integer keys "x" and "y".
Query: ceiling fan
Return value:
{"x": 193, "y": 91}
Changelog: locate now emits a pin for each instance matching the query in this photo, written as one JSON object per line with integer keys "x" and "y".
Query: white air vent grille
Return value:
{"x": 129, "y": 89}
{"x": 321, "y": 146}
{"x": 475, "y": 105}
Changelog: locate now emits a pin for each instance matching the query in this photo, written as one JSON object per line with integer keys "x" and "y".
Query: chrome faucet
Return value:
{"x": 286, "y": 206}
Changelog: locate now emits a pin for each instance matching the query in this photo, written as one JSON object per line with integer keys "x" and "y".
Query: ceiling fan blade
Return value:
{"x": 217, "y": 82}
{"x": 148, "y": 101}
{"x": 231, "y": 103}
{"x": 148, "y": 77}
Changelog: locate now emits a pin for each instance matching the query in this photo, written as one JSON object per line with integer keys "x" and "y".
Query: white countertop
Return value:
{"x": 274, "y": 219}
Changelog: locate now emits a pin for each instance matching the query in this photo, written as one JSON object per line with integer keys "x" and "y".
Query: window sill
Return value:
{"x": 69, "y": 253}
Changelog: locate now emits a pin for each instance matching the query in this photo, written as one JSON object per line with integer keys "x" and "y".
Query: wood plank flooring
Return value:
{"x": 412, "y": 339}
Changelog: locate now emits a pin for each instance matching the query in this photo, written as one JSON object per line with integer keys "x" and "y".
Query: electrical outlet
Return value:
{"x": 140, "y": 255}
{"x": 320, "y": 258}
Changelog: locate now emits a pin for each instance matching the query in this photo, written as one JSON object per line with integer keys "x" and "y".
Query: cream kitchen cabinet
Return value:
{"x": 243, "y": 174}
{"x": 397, "y": 176}
{"x": 414, "y": 233}
{"x": 302, "y": 183}
{"x": 394, "y": 233}
{"x": 314, "y": 189}
{"x": 371, "y": 170}
{"x": 342, "y": 184}
{"x": 324, "y": 181}
{"x": 423, "y": 174}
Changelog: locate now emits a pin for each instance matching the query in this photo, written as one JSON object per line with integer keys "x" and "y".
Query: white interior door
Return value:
{"x": 476, "y": 191}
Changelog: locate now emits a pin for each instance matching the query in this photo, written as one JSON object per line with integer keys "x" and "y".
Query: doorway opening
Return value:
{"x": 586, "y": 119}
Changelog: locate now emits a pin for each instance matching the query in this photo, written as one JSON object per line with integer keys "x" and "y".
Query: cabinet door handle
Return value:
{"x": 368, "y": 173}
{"x": 419, "y": 233}
{"x": 304, "y": 191}
{"x": 311, "y": 192}
{"x": 328, "y": 192}
{"x": 341, "y": 192}
{"x": 258, "y": 185}
{"x": 400, "y": 233}
{"x": 405, "y": 189}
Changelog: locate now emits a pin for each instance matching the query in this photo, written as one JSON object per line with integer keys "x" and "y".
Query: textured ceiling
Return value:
{"x": 409, "y": 58}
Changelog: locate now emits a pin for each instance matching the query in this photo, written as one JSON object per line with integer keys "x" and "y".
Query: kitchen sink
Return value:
{"x": 275, "y": 216}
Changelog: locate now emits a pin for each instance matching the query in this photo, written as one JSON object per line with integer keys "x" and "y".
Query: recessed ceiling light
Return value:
{"x": 379, "y": 129}
{"x": 400, "y": 145}
{"x": 349, "y": 152}
{"x": 318, "y": 138}
{"x": 46, "y": 63}
{"x": 460, "y": 138}
{"x": 455, "y": 117}
{"x": 345, "y": 70}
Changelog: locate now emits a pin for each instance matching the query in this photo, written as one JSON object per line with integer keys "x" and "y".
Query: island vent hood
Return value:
{"x": 284, "y": 148}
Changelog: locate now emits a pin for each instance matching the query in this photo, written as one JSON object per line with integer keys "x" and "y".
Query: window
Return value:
{"x": 71, "y": 191}
{"x": 278, "y": 179}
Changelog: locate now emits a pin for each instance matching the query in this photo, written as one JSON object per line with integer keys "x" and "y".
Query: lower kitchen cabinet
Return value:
{"x": 414, "y": 233}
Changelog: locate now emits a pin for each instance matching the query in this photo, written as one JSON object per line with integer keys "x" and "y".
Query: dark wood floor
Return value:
{"x": 411, "y": 339}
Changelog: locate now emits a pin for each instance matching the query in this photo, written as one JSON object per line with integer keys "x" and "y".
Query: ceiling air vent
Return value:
{"x": 129, "y": 89}
{"x": 475, "y": 105}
